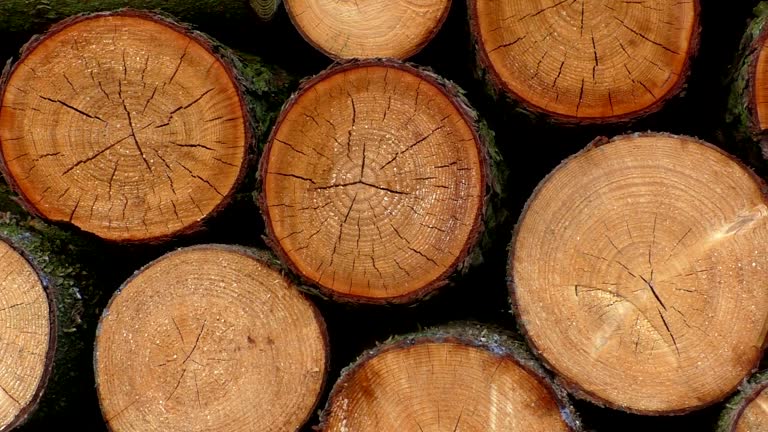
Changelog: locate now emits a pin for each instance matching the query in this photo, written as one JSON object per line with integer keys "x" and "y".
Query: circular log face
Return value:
{"x": 755, "y": 414}
{"x": 441, "y": 386}
{"x": 25, "y": 332}
{"x": 209, "y": 339}
{"x": 124, "y": 125}
{"x": 639, "y": 272}
{"x": 368, "y": 28}
{"x": 373, "y": 183}
{"x": 587, "y": 59}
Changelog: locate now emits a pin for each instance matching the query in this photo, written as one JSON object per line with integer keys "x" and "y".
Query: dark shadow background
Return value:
{"x": 531, "y": 150}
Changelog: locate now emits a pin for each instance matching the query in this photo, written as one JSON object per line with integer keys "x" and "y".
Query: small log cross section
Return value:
{"x": 123, "y": 124}
{"x": 374, "y": 183}
{"x": 580, "y": 59}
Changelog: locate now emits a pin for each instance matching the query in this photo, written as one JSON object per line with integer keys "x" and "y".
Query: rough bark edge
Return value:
{"x": 495, "y": 86}
{"x": 734, "y": 408}
{"x": 491, "y": 339}
{"x": 572, "y": 387}
{"x": 26, "y": 16}
{"x": 222, "y": 54}
{"x": 741, "y": 112}
{"x": 493, "y": 173}
{"x": 57, "y": 256}
{"x": 415, "y": 50}
{"x": 28, "y": 410}
{"x": 258, "y": 255}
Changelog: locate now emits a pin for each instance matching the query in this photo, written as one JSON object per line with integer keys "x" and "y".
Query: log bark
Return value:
{"x": 345, "y": 30}
{"x": 636, "y": 273}
{"x": 376, "y": 182}
{"x": 464, "y": 377}
{"x": 128, "y": 139}
{"x": 48, "y": 327}
{"x": 746, "y": 411}
{"x": 580, "y": 62}
{"x": 210, "y": 338}
{"x": 747, "y": 113}
{"x": 32, "y": 16}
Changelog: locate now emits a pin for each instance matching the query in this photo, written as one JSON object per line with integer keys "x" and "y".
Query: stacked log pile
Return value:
{"x": 382, "y": 216}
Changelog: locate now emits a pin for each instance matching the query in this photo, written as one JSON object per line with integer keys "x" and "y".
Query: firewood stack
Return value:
{"x": 383, "y": 216}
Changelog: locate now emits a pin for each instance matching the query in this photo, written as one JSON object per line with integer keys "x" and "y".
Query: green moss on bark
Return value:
{"x": 741, "y": 114}
{"x": 60, "y": 257}
{"x": 735, "y": 406}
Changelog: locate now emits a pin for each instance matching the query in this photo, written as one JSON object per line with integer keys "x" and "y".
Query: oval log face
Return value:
{"x": 105, "y": 127}
{"x": 441, "y": 385}
{"x": 582, "y": 59}
{"x": 373, "y": 183}
{"x": 368, "y": 28}
{"x": 209, "y": 338}
{"x": 25, "y": 329}
{"x": 639, "y": 272}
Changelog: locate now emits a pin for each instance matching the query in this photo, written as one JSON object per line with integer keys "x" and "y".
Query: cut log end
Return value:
{"x": 439, "y": 382}
{"x": 373, "y": 183}
{"x": 211, "y": 336}
{"x": 367, "y": 29}
{"x": 637, "y": 272}
{"x": 106, "y": 107}
{"x": 29, "y": 335}
{"x": 585, "y": 61}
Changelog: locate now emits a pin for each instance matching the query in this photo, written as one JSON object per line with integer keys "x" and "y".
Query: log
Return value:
{"x": 345, "y": 30}
{"x": 746, "y": 411}
{"x": 31, "y": 16}
{"x": 462, "y": 378}
{"x": 585, "y": 62}
{"x": 265, "y": 9}
{"x": 637, "y": 273}
{"x": 211, "y": 338}
{"x": 29, "y": 314}
{"x": 373, "y": 183}
{"x": 48, "y": 298}
{"x": 747, "y": 113}
{"x": 104, "y": 128}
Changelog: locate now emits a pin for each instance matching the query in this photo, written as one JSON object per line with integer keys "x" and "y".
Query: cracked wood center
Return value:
{"x": 587, "y": 59}
{"x": 638, "y": 272}
{"x": 209, "y": 338}
{"x": 25, "y": 329}
{"x": 103, "y": 126}
{"x": 373, "y": 182}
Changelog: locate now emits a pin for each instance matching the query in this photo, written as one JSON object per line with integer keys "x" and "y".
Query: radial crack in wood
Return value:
{"x": 586, "y": 61}
{"x": 448, "y": 379}
{"x": 368, "y": 28}
{"x": 373, "y": 182}
{"x": 27, "y": 332}
{"x": 209, "y": 338}
{"x": 637, "y": 272}
{"x": 125, "y": 137}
